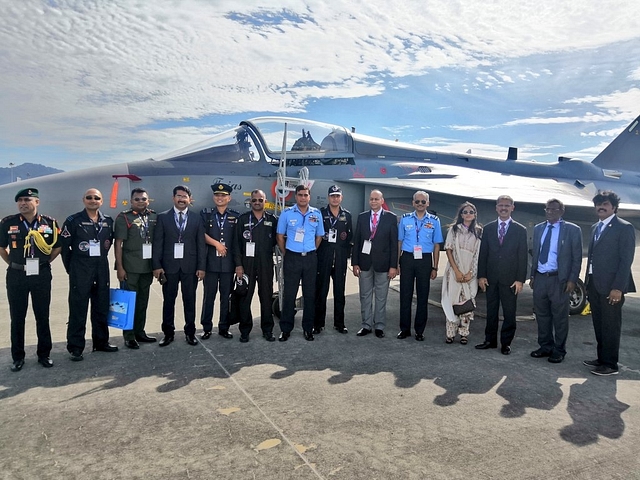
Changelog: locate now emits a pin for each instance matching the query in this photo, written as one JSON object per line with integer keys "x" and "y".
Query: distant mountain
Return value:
{"x": 25, "y": 171}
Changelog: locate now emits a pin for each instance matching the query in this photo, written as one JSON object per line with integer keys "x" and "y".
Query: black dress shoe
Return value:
{"x": 363, "y": 331}
{"x": 17, "y": 365}
{"x": 540, "y": 353}
{"x": 144, "y": 338}
{"x": 419, "y": 337}
{"x": 107, "y": 347}
{"x": 402, "y": 335}
{"x": 317, "y": 330}
{"x": 132, "y": 344}
{"x": 308, "y": 336}
{"x": 284, "y": 337}
{"x": 46, "y": 362}
{"x": 555, "y": 358}
{"x": 486, "y": 345}
{"x": 191, "y": 339}
{"x": 225, "y": 334}
{"x": 505, "y": 349}
{"x": 379, "y": 333}
{"x": 166, "y": 340}
{"x": 342, "y": 329}
{"x": 244, "y": 338}
{"x": 269, "y": 337}
{"x": 76, "y": 356}
{"x": 205, "y": 335}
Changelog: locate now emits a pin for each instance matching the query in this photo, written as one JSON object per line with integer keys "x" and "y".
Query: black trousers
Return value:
{"x": 418, "y": 271}
{"x": 188, "y": 283}
{"x": 88, "y": 284}
{"x": 551, "y": 304}
{"x": 19, "y": 286}
{"x": 214, "y": 281}
{"x": 141, "y": 284}
{"x": 499, "y": 294}
{"x": 262, "y": 275}
{"x": 297, "y": 267}
{"x": 332, "y": 265}
{"x": 607, "y": 324}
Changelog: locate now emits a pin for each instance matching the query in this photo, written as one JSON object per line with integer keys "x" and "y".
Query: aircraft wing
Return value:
{"x": 485, "y": 185}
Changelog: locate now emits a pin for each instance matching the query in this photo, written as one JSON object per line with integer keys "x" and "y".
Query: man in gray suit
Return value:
{"x": 557, "y": 257}
{"x": 610, "y": 257}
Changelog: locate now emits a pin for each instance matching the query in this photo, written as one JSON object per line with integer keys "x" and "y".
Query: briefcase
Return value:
{"x": 122, "y": 308}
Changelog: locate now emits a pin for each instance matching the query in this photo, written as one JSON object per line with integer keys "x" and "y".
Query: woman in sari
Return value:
{"x": 460, "y": 281}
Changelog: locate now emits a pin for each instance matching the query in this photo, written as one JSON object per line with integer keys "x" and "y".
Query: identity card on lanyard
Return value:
{"x": 146, "y": 251}
{"x": 178, "y": 247}
{"x": 94, "y": 248}
{"x": 33, "y": 266}
{"x": 178, "y": 250}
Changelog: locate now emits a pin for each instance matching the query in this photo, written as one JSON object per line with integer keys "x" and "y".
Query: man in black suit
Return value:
{"x": 179, "y": 257}
{"x": 502, "y": 270}
{"x": 557, "y": 257}
{"x": 375, "y": 262}
{"x": 611, "y": 251}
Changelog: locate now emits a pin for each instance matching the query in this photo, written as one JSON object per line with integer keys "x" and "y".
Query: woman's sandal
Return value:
{"x": 463, "y": 340}
{"x": 449, "y": 340}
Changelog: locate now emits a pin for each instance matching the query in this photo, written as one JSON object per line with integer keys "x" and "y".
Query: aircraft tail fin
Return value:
{"x": 624, "y": 152}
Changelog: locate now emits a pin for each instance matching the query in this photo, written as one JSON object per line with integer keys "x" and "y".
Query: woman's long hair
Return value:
{"x": 474, "y": 227}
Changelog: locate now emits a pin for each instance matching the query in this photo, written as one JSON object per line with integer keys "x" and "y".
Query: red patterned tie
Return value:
{"x": 502, "y": 232}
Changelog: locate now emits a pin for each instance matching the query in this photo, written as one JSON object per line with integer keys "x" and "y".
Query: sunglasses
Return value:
{"x": 468, "y": 212}
{"x": 140, "y": 199}
{"x": 423, "y": 202}
{"x": 92, "y": 197}
{"x": 256, "y": 200}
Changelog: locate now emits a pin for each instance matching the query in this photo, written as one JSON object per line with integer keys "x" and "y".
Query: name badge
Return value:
{"x": 299, "y": 235}
{"x": 366, "y": 247}
{"x": 33, "y": 266}
{"x": 251, "y": 249}
{"x": 333, "y": 235}
{"x": 417, "y": 252}
{"x": 178, "y": 250}
{"x": 146, "y": 251}
{"x": 94, "y": 248}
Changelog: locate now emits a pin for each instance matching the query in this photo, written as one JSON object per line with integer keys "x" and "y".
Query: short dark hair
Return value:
{"x": 184, "y": 188}
{"x": 138, "y": 190}
{"x": 555, "y": 200}
{"x": 604, "y": 195}
{"x": 302, "y": 187}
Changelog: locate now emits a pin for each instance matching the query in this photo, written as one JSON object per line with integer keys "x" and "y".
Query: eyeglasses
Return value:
{"x": 551, "y": 209}
{"x": 468, "y": 212}
{"x": 92, "y": 197}
{"x": 256, "y": 200}
{"x": 423, "y": 202}
{"x": 140, "y": 199}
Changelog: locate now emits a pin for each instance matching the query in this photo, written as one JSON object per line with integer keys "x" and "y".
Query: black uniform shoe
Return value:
{"x": 166, "y": 340}
{"x": 46, "y": 362}
{"x": 225, "y": 334}
{"x": 107, "y": 347}
{"x": 342, "y": 329}
{"x": 17, "y": 365}
{"x": 244, "y": 338}
{"x": 308, "y": 336}
{"x": 284, "y": 337}
{"x": 317, "y": 330}
{"x": 363, "y": 331}
{"x": 76, "y": 356}
{"x": 505, "y": 350}
{"x": 419, "y": 337}
{"x": 379, "y": 333}
{"x": 486, "y": 345}
{"x": 268, "y": 336}
{"x": 133, "y": 344}
{"x": 540, "y": 353}
{"x": 144, "y": 338}
{"x": 555, "y": 358}
{"x": 205, "y": 335}
{"x": 191, "y": 339}
{"x": 402, "y": 335}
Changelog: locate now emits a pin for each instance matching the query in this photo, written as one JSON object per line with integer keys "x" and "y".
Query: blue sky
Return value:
{"x": 107, "y": 81}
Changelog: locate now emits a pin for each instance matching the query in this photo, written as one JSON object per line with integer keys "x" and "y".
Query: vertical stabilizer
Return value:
{"x": 624, "y": 152}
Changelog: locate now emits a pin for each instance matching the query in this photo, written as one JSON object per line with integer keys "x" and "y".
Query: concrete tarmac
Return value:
{"x": 341, "y": 407}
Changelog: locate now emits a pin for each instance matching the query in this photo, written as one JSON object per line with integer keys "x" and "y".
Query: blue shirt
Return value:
{"x": 552, "y": 259}
{"x": 426, "y": 232}
{"x": 310, "y": 223}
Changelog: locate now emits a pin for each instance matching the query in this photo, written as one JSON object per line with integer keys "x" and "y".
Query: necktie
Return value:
{"x": 599, "y": 230}
{"x": 374, "y": 224}
{"x": 546, "y": 246}
{"x": 180, "y": 220}
{"x": 502, "y": 232}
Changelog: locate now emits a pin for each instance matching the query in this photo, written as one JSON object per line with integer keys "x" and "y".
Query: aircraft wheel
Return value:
{"x": 275, "y": 306}
{"x": 578, "y": 299}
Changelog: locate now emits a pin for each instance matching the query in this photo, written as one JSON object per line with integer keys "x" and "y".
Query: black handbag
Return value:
{"x": 464, "y": 307}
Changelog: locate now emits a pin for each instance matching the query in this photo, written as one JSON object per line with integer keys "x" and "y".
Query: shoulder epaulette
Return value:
{"x": 234, "y": 212}
{"x": 10, "y": 216}
{"x": 408, "y": 214}
{"x": 49, "y": 218}
{"x": 127, "y": 211}
{"x": 70, "y": 218}
{"x": 207, "y": 211}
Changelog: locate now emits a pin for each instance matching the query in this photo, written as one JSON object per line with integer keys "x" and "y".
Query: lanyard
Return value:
{"x": 333, "y": 220}
{"x": 419, "y": 227}
{"x": 29, "y": 228}
{"x": 220, "y": 219}
{"x": 180, "y": 227}
{"x": 144, "y": 231}
{"x": 251, "y": 226}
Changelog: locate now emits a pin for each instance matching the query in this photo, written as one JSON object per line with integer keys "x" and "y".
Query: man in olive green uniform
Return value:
{"x": 133, "y": 238}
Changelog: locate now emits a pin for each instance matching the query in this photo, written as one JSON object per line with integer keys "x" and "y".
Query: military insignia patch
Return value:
{"x": 65, "y": 233}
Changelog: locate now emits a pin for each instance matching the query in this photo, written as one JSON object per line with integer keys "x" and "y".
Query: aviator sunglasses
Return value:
{"x": 420, "y": 201}
{"x": 256, "y": 200}
{"x": 92, "y": 197}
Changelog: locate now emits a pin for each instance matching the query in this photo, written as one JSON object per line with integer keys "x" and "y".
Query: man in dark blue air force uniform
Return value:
{"x": 28, "y": 244}
{"x": 86, "y": 239}
{"x": 219, "y": 225}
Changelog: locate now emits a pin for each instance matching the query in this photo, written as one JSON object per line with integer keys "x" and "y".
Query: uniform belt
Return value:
{"x": 404, "y": 252}
{"x": 548, "y": 274}
{"x": 302, "y": 254}
{"x": 20, "y": 266}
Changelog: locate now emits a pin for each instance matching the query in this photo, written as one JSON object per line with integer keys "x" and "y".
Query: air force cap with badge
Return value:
{"x": 222, "y": 188}
{"x": 27, "y": 192}
{"x": 334, "y": 190}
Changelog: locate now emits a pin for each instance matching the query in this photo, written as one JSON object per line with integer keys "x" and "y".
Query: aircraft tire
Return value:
{"x": 578, "y": 299}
